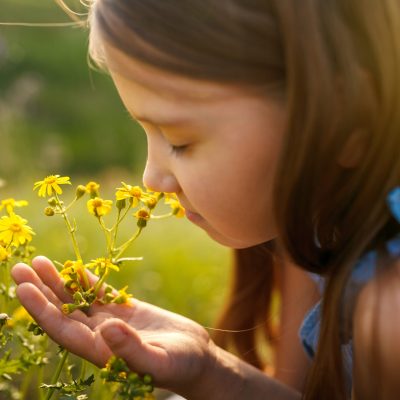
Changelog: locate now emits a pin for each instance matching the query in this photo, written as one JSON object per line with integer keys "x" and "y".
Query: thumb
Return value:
{"x": 126, "y": 343}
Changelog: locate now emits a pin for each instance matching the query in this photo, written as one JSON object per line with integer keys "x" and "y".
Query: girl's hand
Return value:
{"x": 174, "y": 350}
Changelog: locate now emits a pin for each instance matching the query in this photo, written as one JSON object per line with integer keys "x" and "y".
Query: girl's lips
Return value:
{"x": 193, "y": 217}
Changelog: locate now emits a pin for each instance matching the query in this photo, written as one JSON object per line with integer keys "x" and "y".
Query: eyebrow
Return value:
{"x": 156, "y": 120}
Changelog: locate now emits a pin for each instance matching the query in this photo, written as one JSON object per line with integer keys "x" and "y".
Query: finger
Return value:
{"x": 69, "y": 333}
{"x": 49, "y": 275}
{"x": 23, "y": 273}
{"x": 125, "y": 342}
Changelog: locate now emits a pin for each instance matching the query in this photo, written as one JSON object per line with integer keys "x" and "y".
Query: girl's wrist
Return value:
{"x": 221, "y": 377}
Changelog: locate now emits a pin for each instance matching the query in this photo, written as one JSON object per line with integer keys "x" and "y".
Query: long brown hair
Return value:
{"x": 336, "y": 63}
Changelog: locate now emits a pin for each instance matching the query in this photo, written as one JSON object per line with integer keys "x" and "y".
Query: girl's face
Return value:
{"x": 216, "y": 146}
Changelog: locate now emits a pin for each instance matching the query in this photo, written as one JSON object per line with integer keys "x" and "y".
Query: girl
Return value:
{"x": 276, "y": 123}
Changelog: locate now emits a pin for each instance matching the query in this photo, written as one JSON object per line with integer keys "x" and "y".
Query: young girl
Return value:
{"x": 276, "y": 123}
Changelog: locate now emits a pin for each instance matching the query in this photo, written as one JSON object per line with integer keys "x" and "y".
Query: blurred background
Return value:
{"x": 57, "y": 116}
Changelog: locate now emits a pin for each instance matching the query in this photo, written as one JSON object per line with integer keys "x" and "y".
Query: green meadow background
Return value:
{"x": 59, "y": 116}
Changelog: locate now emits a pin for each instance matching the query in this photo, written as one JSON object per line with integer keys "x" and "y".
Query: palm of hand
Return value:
{"x": 171, "y": 348}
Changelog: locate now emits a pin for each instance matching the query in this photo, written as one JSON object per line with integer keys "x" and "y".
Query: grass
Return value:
{"x": 53, "y": 107}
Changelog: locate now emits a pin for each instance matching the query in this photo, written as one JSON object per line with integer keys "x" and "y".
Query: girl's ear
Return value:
{"x": 353, "y": 150}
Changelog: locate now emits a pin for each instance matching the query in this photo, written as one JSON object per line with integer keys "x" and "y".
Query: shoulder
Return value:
{"x": 377, "y": 337}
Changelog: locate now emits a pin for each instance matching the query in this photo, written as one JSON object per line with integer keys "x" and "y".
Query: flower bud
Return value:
{"x": 93, "y": 189}
{"x": 121, "y": 204}
{"x": 108, "y": 289}
{"x": 133, "y": 377}
{"x": 30, "y": 249}
{"x": 80, "y": 191}
{"x": 141, "y": 223}
{"x": 104, "y": 374}
{"x": 49, "y": 212}
{"x": 69, "y": 308}
{"x": 78, "y": 298}
{"x": 71, "y": 285}
{"x": 52, "y": 201}
{"x": 108, "y": 298}
{"x": 122, "y": 375}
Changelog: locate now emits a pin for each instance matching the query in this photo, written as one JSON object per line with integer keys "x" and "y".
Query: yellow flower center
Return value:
{"x": 97, "y": 203}
{"x": 50, "y": 180}
{"x": 143, "y": 214}
{"x": 15, "y": 227}
{"x": 135, "y": 192}
{"x": 92, "y": 186}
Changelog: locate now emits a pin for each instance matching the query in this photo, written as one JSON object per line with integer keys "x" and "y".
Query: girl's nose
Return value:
{"x": 159, "y": 179}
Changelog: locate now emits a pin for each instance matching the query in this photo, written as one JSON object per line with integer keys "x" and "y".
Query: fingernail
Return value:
{"x": 113, "y": 334}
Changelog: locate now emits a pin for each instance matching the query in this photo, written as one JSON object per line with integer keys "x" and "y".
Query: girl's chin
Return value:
{"x": 220, "y": 238}
{"x": 231, "y": 242}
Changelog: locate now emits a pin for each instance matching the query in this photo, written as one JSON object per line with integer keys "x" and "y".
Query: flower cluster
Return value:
{"x": 132, "y": 199}
{"x": 132, "y": 386}
{"x": 23, "y": 344}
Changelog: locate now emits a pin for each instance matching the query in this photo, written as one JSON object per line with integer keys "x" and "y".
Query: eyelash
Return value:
{"x": 176, "y": 150}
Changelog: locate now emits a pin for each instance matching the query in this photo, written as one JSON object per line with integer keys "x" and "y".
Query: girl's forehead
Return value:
{"x": 163, "y": 83}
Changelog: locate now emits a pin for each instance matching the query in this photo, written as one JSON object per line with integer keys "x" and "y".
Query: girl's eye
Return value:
{"x": 175, "y": 150}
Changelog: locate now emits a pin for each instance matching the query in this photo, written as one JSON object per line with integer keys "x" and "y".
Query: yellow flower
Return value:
{"x": 102, "y": 265}
{"x": 13, "y": 230}
{"x": 10, "y": 204}
{"x": 99, "y": 207}
{"x": 4, "y": 254}
{"x": 134, "y": 193}
{"x": 93, "y": 188}
{"x": 173, "y": 202}
{"x": 122, "y": 297}
{"x": 50, "y": 185}
{"x": 142, "y": 216}
{"x": 71, "y": 269}
{"x": 20, "y": 315}
{"x": 150, "y": 200}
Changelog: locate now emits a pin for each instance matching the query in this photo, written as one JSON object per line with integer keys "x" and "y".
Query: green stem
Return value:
{"x": 57, "y": 374}
{"x": 71, "y": 231}
{"x": 106, "y": 234}
{"x": 114, "y": 229}
{"x": 122, "y": 248}
{"x": 83, "y": 369}
{"x": 100, "y": 282}
{"x": 25, "y": 385}
{"x": 71, "y": 204}
{"x": 40, "y": 373}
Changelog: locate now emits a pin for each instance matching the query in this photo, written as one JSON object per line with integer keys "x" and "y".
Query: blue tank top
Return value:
{"x": 363, "y": 271}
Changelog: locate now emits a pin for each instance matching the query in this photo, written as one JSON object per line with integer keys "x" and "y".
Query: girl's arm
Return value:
{"x": 377, "y": 338}
{"x": 299, "y": 294}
